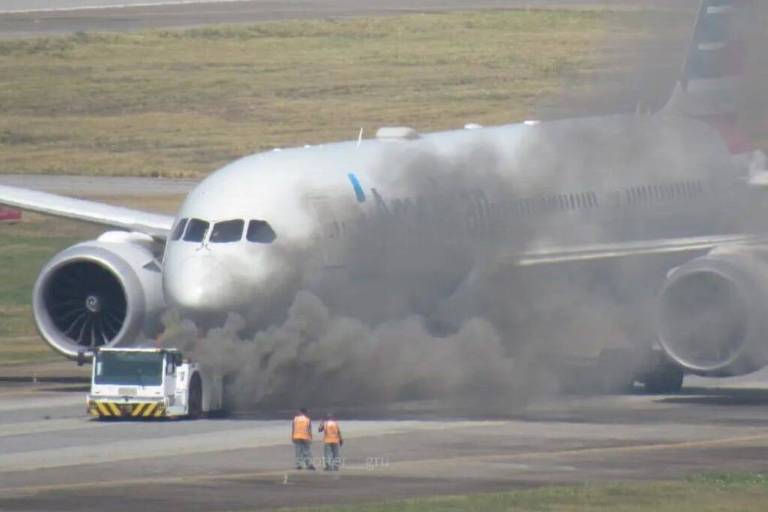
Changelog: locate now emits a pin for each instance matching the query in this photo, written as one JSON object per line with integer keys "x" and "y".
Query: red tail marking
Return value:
{"x": 735, "y": 137}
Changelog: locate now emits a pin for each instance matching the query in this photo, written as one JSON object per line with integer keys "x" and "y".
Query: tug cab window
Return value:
{"x": 227, "y": 231}
{"x": 196, "y": 230}
{"x": 179, "y": 230}
{"x": 129, "y": 368}
{"x": 260, "y": 232}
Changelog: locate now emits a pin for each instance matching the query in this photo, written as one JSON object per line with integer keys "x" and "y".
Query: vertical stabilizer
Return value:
{"x": 714, "y": 72}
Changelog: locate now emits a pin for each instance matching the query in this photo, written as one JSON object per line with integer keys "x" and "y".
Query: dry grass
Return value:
{"x": 181, "y": 103}
{"x": 716, "y": 493}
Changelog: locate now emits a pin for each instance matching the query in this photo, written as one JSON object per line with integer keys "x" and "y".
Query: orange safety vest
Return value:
{"x": 302, "y": 430}
{"x": 331, "y": 431}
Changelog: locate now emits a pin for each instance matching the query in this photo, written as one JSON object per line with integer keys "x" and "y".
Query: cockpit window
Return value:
{"x": 261, "y": 232}
{"x": 227, "y": 231}
{"x": 179, "y": 229}
{"x": 196, "y": 230}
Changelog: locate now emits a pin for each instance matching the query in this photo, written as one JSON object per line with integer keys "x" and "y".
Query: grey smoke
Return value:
{"x": 374, "y": 330}
{"x": 412, "y": 314}
{"x": 315, "y": 357}
{"x": 425, "y": 318}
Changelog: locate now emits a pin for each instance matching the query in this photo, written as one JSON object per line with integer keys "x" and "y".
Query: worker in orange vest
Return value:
{"x": 332, "y": 440}
{"x": 301, "y": 435}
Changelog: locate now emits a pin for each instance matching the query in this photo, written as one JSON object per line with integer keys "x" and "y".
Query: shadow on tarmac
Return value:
{"x": 30, "y": 379}
{"x": 727, "y": 397}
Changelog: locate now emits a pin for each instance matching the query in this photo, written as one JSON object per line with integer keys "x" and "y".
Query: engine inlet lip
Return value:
{"x": 665, "y": 337}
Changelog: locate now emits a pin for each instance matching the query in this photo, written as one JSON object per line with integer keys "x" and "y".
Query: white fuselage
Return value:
{"x": 512, "y": 187}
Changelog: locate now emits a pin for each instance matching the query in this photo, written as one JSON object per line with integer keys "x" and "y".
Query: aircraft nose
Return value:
{"x": 202, "y": 284}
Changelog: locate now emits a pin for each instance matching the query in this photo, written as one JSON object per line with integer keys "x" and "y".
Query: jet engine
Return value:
{"x": 712, "y": 315}
{"x": 101, "y": 293}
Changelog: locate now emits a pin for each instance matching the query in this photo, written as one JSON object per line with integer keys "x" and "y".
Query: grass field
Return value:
{"x": 710, "y": 493}
{"x": 181, "y": 103}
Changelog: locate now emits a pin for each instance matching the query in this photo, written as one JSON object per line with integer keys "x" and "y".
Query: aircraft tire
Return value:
{"x": 195, "y": 398}
{"x": 666, "y": 378}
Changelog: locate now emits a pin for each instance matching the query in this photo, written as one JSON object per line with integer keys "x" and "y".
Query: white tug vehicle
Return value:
{"x": 150, "y": 383}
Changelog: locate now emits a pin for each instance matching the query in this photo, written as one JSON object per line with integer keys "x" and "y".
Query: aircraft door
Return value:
{"x": 329, "y": 238}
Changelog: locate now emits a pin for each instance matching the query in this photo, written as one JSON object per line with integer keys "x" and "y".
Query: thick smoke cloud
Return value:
{"x": 377, "y": 329}
{"x": 413, "y": 314}
{"x": 316, "y": 357}
{"x": 428, "y": 303}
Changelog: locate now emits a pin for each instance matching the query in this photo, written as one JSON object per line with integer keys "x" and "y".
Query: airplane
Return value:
{"x": 451, "y": 210}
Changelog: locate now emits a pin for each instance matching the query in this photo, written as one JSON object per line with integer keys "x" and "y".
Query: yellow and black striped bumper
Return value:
{"x": 104, "y": 409}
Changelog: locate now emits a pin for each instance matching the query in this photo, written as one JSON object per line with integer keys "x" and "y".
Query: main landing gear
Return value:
{"x": 619, "y": 369}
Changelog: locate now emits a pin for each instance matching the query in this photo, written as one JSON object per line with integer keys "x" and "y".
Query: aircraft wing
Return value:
{"x": 636, "y": 248}
{"x": 153, "y": 224}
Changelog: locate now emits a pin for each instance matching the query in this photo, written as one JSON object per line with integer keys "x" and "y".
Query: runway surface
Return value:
{"x": 51, "y": 17}
{"x": 53, "y": 457}
{"x": 7, "y": 6}
{"x": 98, "y": 185}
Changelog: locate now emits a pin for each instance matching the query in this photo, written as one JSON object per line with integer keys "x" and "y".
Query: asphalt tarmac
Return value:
{"x": 99, "y": 185}
{"x": 53, "y": 457}
{"x": 29, "y": 18}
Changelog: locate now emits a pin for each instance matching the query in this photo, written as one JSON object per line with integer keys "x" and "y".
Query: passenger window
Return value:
{"x": 227, "y": 231}
{"x": 179, "y": 229}
{"x": 261, "y": 232}
{"x": 196, "y": 230}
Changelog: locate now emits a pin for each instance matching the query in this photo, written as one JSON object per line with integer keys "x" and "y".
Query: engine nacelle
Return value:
{"x": 100, "y": 293}
{"x": 713, "y": 313}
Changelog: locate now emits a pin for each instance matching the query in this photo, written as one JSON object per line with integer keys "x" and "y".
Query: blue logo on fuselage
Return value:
{"x": 359, "y": 192}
